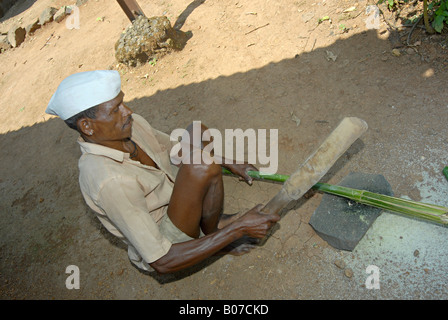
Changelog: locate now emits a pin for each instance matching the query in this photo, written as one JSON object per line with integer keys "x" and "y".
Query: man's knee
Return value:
{"x": 204, "y": 171}
{"x": 211, "y": 171}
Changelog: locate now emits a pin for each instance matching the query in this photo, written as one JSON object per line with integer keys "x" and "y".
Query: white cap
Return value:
{"x": 81, "y": 91}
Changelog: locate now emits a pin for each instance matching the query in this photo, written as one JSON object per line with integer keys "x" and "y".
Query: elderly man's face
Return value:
{"x": 113, "y": 121}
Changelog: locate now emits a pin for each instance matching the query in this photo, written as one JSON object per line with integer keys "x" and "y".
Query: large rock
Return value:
{"x": 47, "y": 15}
{"x": 33, "y": 26}
{"x": 61, "y": 14}
{"x": 146, "y": 39}
{"x": 342, "y": 222}
{"x": 16, "y": 35}
{"x": 4, "y": 43}
{"x": 80, "y": 2}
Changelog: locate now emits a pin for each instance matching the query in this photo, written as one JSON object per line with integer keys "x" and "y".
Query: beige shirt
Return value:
{"x": 128, "y": 197}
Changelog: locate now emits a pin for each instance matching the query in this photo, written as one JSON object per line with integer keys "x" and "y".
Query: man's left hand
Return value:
{"x": 241, "y": 171}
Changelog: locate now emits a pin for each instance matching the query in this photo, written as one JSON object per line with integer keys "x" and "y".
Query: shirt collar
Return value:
{"x": 97, "y": 149}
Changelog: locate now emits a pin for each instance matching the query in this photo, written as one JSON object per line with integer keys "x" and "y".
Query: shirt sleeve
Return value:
{"x": 123, "y": 201}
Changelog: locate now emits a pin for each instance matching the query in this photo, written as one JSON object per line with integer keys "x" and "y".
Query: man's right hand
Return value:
{"x": 255, "y": 223}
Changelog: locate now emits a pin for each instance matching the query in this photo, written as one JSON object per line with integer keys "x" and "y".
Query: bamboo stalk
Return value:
{"x": 257, "y": 175}
{"x": 409, "y": 208}
{"x": 414, "y": 209}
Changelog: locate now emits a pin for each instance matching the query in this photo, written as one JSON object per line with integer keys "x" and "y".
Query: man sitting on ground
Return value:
{"x": 170, "y": 217}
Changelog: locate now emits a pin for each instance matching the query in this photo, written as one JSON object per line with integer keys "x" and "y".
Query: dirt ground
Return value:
{"x": 249, "y": 64}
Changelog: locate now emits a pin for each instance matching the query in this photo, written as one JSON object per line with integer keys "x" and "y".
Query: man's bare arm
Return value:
{"x": 182, "y": 255}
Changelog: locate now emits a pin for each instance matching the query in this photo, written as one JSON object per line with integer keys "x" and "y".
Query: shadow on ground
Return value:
{"x": 11, "y": 8}
{"x": 46, "y": 226}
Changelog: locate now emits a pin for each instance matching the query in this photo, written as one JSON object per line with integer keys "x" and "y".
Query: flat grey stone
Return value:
{"x": 342, "y": 222}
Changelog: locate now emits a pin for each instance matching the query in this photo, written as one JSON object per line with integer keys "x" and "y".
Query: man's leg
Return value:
{"x": 198, "y": 196}
{"x": 197, "y": 202}
{"x": 197, "y": 199}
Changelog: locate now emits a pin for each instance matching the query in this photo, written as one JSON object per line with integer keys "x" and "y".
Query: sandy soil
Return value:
{"x": 231, "y": 75}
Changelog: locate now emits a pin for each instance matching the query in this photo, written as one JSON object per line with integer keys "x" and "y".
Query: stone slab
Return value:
{"x": 342, "y": 222}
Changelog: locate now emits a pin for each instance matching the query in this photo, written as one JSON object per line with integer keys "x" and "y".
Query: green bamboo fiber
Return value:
{"x": 414, "y": 209}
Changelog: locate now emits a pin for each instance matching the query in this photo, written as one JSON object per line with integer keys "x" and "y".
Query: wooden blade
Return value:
{"x": 318, "y": 164}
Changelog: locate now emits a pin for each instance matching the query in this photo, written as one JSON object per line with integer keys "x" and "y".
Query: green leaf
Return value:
{"x": 324, "y": 19}
{"x": 438, "y": 23}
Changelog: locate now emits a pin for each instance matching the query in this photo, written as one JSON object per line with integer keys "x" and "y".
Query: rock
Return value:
{"x": 47, "y": 15}
{"x": 410, "y": 51}
{"x": 339, "y": 263}
{"x": 307, "y": 16}
{"x": 148, "y": 38}
{"x": 331, "y": 56}
{"x": 396, "y": 52}
{"x": 32, "y": 26}
{"x": 348, "y": 273}
{"x": 342, "y": 222}
{"x": 414, "y": 194}
{"x": 4, "y": 43}
{"x": 16, "y": 35}
{"x": 80, "y": 2}
{"x": 69, "y": 9}
{"x": 60, "y": 14}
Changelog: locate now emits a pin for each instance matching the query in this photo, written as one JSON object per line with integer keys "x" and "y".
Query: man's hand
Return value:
{"x": 241, "y": 171}
{"x": 255, "y": 223}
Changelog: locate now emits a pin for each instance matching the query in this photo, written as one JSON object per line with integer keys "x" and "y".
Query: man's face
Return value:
{"x": 113, "y": 121}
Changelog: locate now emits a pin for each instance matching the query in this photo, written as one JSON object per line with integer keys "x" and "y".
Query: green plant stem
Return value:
{"x": 414, "y": 209}
{"x": 409, "y": 208}
{"x": 428, "y": 27}
{"x": 262, "y": 176}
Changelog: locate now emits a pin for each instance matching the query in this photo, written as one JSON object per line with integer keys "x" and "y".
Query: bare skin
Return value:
{"x": 197, "y": 200}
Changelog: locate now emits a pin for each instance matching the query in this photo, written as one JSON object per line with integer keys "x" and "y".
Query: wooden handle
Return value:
{"x": 318, "y": 164}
